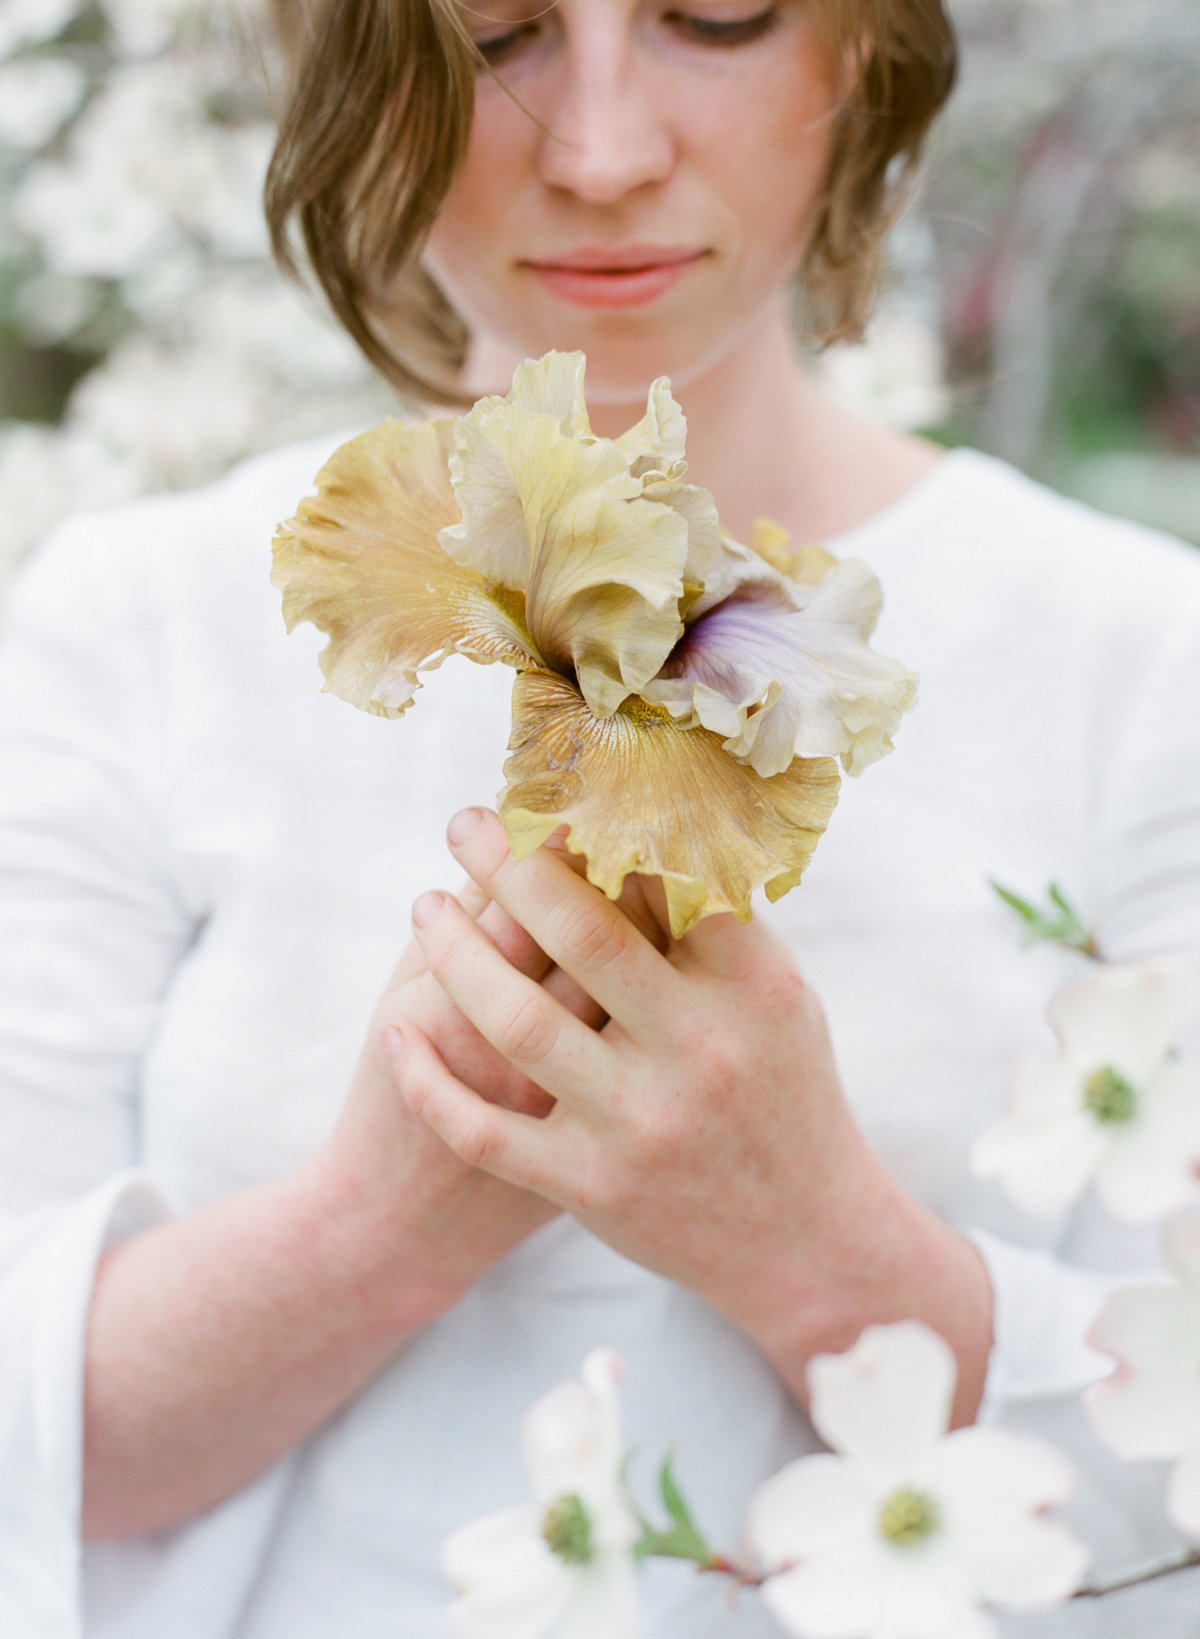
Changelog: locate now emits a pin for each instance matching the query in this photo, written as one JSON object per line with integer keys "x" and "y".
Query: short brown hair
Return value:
{"x": 376, "y": 124}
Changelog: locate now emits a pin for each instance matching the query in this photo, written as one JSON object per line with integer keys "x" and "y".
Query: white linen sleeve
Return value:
{"x": 90, "y": 932}
{"x": 1142, "y": 887}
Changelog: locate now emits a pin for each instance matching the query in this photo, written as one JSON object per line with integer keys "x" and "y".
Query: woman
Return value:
{"x": 275, "y": 1294}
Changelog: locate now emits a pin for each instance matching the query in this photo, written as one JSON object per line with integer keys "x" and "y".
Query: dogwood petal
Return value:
{"x": 360, "y": 560}
{"x": 1127, "y": 1017}
{"x": 836, "y": 1596}
{"x": 811, "y": 1504}
{"x": 1042, "y": 1165}
{"x": 886, "y": 1401}
{"x": 571, "y": 1437}
{"x": 1151, "y": 1167}
{"x": 1183, "y": 1494}
{"x": 795, "y": 666}
{"x": 513, "y": 1585}
{"x": 1150, "y": 1407}
{"x": 563, "y": 520}
{"x": 637, "y": 793}
{"x": 604, "y": 1605}
{"x": 992, "y": 1484}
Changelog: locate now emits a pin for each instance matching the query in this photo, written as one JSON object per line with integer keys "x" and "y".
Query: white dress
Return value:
{"x": 206, "y": 866}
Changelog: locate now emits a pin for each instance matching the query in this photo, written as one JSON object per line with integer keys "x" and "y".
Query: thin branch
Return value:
{"x": 1185, "y": 1560}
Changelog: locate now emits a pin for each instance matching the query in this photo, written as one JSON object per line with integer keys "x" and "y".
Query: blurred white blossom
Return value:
{"x": 30, "y": 22}
{"x": 37, "y": 95}
{"x": 135, "y": 243}
{"x": 903, "y": 1531}
{"x": 566, "y": 1561}
{"x": 1113, "y": 1105}
{"x": 1150, "y": 1407}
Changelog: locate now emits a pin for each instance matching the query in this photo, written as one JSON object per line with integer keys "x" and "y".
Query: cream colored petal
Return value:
{"x": 794, "y": 664}
{"x": 640, "y": 794}
{"x": 602, "y": 568}
{"x": 361, "y": 561}
{"x": 655, "y": 443}
{"x": 553, "y": 385}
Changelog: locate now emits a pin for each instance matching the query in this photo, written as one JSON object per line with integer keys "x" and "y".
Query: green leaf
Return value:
{"x": 672, "y": 1498}
{"x": 681, "y": 1540}
{"x": 1058, "y": 924}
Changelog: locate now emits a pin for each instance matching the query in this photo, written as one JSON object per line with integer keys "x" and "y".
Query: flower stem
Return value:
{"x": 1185, "y": 1560}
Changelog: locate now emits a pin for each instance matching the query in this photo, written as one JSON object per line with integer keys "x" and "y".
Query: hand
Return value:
{"x": 702, "y": 1132}
{"x": 388, "y": 1173}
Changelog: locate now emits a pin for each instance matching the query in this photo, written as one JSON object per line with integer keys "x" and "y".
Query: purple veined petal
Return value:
{"x": 833, "y": 695}
{"x": 886, "y": 1401}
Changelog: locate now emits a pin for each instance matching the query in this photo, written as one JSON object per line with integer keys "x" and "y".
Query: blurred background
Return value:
{"x": 1043, "y": 301}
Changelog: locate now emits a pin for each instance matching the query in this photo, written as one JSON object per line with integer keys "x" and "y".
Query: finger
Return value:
{"x": 577, "y": 927}
{"x": 574, "y": 998}
{"x": 525, "y": 1025}
{"x": 511, "y": 1147}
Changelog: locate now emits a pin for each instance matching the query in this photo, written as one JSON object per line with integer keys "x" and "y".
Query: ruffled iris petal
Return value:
{"x": 638, "y": 793}
{"x": 793, "y": 664}
{"x": 361, "y": 560}
{"x": 562, "y": 517}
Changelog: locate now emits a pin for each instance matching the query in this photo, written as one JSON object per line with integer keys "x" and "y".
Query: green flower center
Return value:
{"x": 1109, "y": 1097}
{"x": 908, "y": 1517}
{"x": 567, "y": 1529}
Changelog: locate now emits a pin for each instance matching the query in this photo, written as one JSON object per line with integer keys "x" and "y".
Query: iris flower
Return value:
{"x": 681, "y": 701}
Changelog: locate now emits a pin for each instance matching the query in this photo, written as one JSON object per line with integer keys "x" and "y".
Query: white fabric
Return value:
{"x": 205, "y": 872}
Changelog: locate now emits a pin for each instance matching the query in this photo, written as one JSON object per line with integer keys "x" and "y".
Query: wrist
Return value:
{"x": 883, "y": 1257}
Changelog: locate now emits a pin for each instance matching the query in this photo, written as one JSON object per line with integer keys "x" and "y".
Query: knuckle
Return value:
{"x": 595, "y": 934}
{"x": 480, "y": 1144}
{"x": 524, "y": 1030}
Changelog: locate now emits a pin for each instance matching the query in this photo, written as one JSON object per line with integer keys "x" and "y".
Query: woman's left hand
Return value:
{"x": 703, "y": 1131}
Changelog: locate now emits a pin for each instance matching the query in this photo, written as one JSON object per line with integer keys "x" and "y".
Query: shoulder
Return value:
{"x": 181, "y": 550}
{"x": 1041, "y": 547}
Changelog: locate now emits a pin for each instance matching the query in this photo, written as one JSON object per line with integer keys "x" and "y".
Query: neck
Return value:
{"x": 768, "y": 442}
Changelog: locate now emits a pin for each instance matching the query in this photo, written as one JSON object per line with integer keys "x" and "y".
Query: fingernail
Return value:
{"x": 464, "y": 824}
{"x": 427, "y": 908}
{"x": 393, "y": 1041}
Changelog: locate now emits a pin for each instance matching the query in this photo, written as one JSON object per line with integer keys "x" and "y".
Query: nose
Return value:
{"x": 606, "y": 134}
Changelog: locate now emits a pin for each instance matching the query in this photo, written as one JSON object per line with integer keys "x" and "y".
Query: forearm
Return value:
{"x": 221, "y": 1340}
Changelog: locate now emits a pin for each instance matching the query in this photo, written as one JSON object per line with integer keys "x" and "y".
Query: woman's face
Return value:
{"x": 640, "y": 185}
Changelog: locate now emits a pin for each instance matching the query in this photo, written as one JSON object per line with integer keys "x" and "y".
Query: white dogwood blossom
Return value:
{"x": 1150, "y": 1407}
{"x": 1113, "y": 1105}
{"x": 564, "y": 1562}
{"x": 902, "y": 1530}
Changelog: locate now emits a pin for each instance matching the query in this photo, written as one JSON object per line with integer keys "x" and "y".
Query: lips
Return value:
{"x": 614, "y": 276}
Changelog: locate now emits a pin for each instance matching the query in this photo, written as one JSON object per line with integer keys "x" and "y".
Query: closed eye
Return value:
{"x": 714, "y": 31}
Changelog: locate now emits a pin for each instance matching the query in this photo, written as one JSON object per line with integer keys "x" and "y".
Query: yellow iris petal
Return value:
{"x": 563, "y": 518}
{"x": 361, "y": 561}
{"x": 640, "y": 794}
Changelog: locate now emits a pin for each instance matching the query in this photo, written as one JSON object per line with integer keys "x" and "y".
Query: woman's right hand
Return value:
{"x": 388, "y": 1177}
